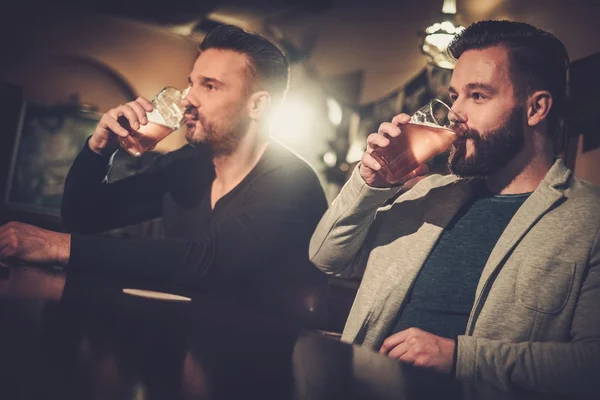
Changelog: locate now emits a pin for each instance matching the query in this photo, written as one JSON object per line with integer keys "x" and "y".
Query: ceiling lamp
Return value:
{"x": 439, "y": 35}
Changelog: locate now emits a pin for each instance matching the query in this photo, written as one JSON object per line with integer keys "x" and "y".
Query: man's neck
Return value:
{"x": 232, "y": 168}
{"x": 524, "y": 173}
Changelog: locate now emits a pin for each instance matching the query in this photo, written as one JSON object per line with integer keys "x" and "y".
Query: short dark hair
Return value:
{"x": 537, "y": 59}
{"x": 268, "y": 63}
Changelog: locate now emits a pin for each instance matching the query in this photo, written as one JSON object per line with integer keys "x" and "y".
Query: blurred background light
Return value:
{"x": 294, "y": 119}
{"x": 439, "y": 35}
{"x": 334, "y": 111}
{"x": 355, "y": 151}
{"x": 330, "y": 159}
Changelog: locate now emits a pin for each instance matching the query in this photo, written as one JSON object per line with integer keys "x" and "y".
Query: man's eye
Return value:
{"x": 209, "y": 86}
{"x": 478, "y": 96}
{"x": 453, "y": 97}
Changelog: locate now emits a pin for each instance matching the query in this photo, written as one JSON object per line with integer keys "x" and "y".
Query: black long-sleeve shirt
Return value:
{"x": 252, "y": 244}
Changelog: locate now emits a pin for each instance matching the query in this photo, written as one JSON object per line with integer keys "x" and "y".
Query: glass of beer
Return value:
{"x": 430, "y": 131}
{"x": 165, "y": 118}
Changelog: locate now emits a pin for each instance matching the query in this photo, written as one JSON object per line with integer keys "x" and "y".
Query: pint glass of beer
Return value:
{"x": 431, "y": 130}
{"x": 165, "y": 118}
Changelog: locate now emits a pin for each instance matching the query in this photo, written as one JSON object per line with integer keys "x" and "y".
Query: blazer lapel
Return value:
{"x": 534, "y": 208}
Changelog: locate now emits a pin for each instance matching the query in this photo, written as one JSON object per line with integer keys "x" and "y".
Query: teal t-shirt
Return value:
{"x": 444, "y": 291}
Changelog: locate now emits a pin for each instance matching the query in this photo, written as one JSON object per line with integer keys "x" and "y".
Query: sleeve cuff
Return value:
{"x": 454, "y": 356}
{"x": 466, "y": 358}
{"x": 92, "y": 156}
{"x": 370, "y": 196}
{"x": 77, "y": 241}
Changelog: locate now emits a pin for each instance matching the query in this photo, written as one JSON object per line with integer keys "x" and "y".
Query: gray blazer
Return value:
{"x": 535, "y": 322}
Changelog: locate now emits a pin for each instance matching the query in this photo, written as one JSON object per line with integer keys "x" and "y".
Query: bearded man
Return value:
{"x": 489, "y": 275}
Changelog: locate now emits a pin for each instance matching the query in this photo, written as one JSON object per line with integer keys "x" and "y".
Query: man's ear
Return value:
{"x": 258, "y": 105}
{"x": 538, "y": 107}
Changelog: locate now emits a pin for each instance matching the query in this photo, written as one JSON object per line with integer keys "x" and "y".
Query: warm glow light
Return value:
{"x": 439, "y": 35}
{"x": 439, "y": 40}
{"x": 435, "y": 44}
{"x": 334, "y": 111}
{"x": 449, "y": 7}
{"x": 355, "y": 152}
{"x": 330, "y": 159}
{"x": 293, "y": 119}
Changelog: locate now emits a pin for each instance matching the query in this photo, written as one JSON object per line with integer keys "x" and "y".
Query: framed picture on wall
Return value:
{"x": 47, "y": 141}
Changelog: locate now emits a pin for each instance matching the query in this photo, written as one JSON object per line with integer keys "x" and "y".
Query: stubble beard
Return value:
{"x": 221, "y": 139}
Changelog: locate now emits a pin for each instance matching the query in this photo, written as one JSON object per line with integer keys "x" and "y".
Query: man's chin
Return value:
{"x": 462, "y": 166}
{"x": 467, "y": 168}
{"x": 189, "y": 133}
{"x": 193, "y": 135}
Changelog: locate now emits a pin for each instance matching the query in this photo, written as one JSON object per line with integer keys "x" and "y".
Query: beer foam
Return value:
{"x": 155, "y": 117}
{"x": 430, "y": 125}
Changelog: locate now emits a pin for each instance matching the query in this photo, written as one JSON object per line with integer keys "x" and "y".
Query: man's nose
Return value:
{"x": 186, "y": 98}
{"x": 455, "y": 117}
{"x": 458, "y": 114}
{"x": 185, "y": 101}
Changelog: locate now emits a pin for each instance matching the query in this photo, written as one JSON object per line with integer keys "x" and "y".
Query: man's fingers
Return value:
{"x": 7, "y": 250}
{"x": 4, "y": 237}
{"x": 7, "y": 237}
{"x": 408, "y": 357}
{"x": 108, "y": 122}
{"x": 9, "y": 226}
{"x": 401, "y": 119}
{"x": 127, "y": 112}
{"x": 377, "y": 140}
{"x": 145, "y": 103}
{"x": 393, "y": 341}
{"x": 399, "y": 350}
{"x": 139, "y": 112}
{"x": 368, "y": 161}
{"x": 389, "y": 129}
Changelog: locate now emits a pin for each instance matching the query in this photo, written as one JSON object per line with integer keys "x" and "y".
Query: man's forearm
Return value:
{"x": 80, "y": 201}
{"x": 63, "y": 248}
{"x": 344, "y": 227}
{"x": 90, "y": 205}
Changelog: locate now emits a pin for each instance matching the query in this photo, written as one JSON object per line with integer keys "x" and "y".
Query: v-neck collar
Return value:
{"x": 242, "y": 183}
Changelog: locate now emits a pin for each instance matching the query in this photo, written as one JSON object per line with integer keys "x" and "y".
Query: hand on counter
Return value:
{"x": 31, "y": 244}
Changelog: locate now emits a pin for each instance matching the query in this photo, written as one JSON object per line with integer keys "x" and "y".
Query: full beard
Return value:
{"x": 492, "y": 150}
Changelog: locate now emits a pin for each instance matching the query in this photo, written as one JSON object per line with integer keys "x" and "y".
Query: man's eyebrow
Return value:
{"x": 476, "y": 86}
{"x": 205, "y": 79}
{"x": 211, "y": 80}
{"x": 482, "y": 86}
